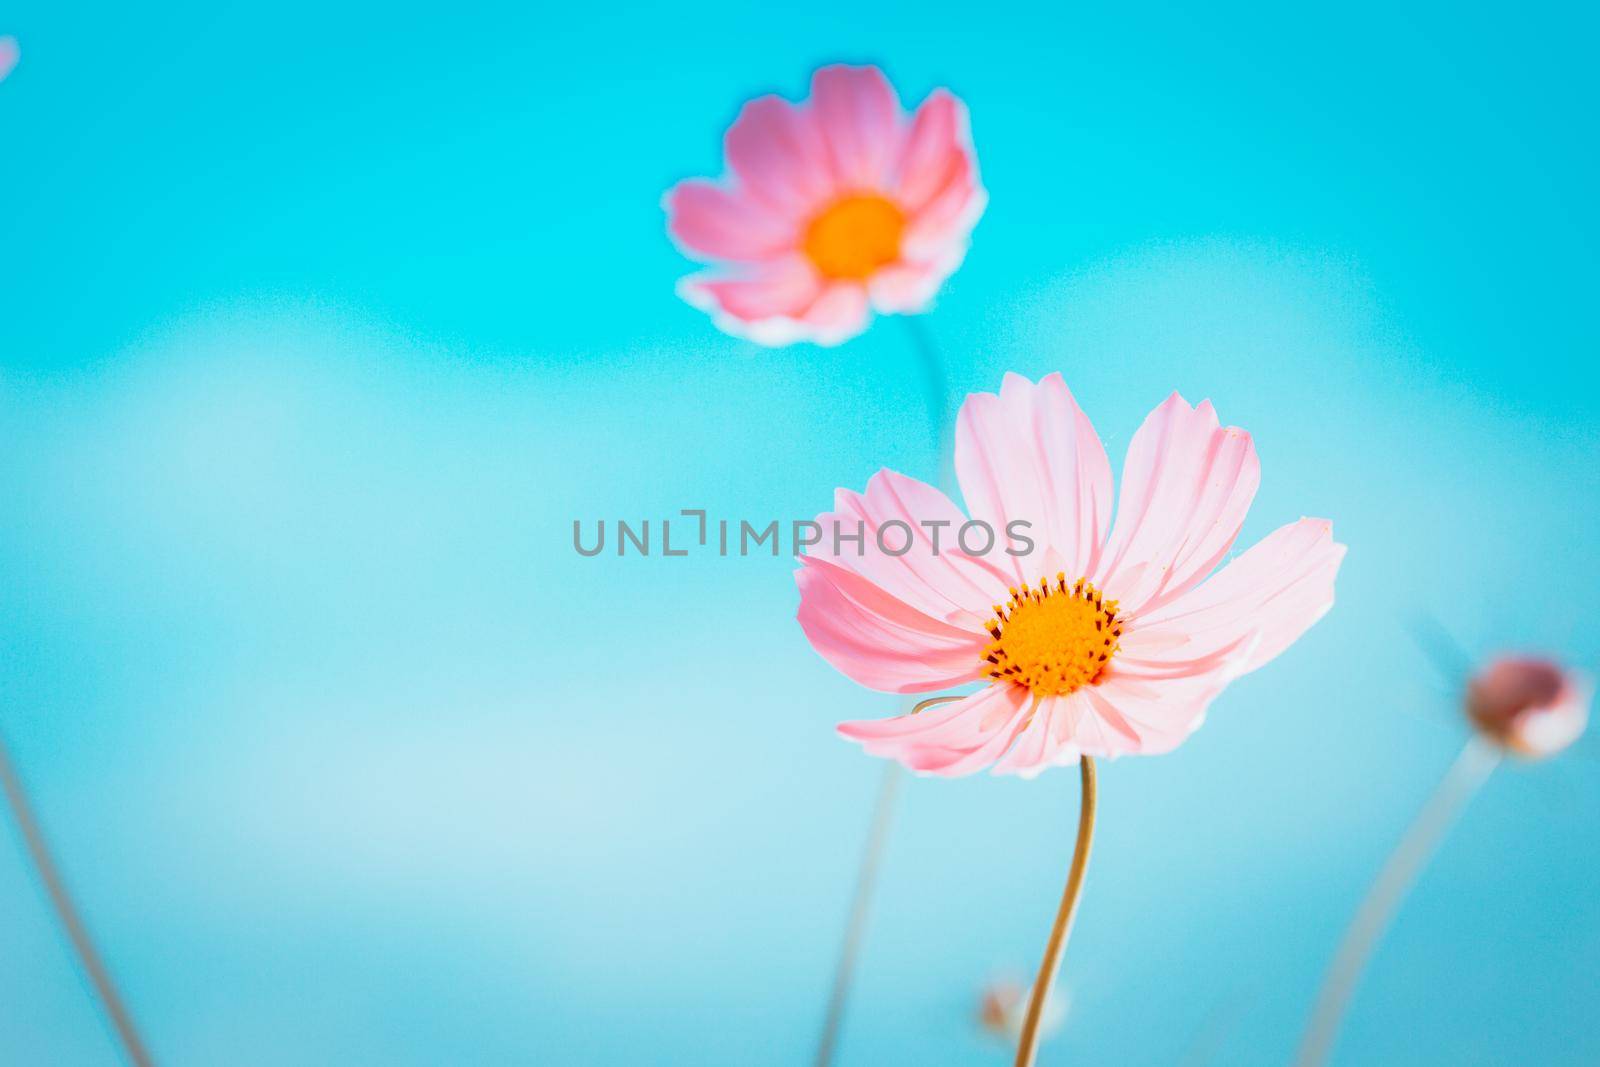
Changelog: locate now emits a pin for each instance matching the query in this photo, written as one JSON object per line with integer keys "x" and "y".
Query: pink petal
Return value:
{"x": 1155, "y": 667}
{"x": 840, "y": 313}
{"x": 785, "y": 288}
{"x": 1031, "y": 455}
{"x": 1094, "y": 727}
{"x": 945, "y": 584}
{"x": 948, "y": 218}
{"x": 1267, "y": 597}
{"x": 1038, "y": 747}
{"x": 952, "y": 739}
{"x": 878, "y": 641}
{"x": 1121, "y": 715}
{"x": 907, "y": 288}
{"x": 859, "y": 114}
{"x": 764, "y": 306}
{"x": 948, "y": 223}
{"x": 9, "y": 54}
{"x": 947, "y": 722}
{"x": 712, "y": 222}
{"x": 935, "y": 147}
{"x": 1186, "y": 485}
{"x": 780, "y": 156}
{"x": 1531, "y": 705}
{"x": 780, "y": 302}
{"x": 936, "y": 183}
{"x": 1131, "y": 717}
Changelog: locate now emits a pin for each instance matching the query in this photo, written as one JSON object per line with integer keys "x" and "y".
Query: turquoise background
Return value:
{"x": 320, "y": 323}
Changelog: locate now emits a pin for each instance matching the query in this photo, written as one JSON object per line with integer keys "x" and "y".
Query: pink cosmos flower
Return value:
{"x": 9, "y": 54}
{"x": 1531, "y": 707}
{"x": 1094, "y": 640}
{"x": 832, "y": 207}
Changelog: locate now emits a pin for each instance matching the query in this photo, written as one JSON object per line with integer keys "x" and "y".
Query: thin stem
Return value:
{"x": 860, "y": 907}
{"x": 861, "y": 904}
{"x": 936, "y": 392}
{"x": 1451, "y": 660}
{"x": 1220, "y": 1022}
{"x": 1028, "y": 1048}
{"x": 79, "y": 934}
{"x": 1459, "y": 784}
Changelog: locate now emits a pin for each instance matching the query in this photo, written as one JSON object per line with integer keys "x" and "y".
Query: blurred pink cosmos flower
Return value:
{"x": 1531, "y": 707}
{"x": 832, "y": 207}
{"x": 1523, "y": 705}
{"x": 1100, "y": 641}
{"x": 9, "y": 54}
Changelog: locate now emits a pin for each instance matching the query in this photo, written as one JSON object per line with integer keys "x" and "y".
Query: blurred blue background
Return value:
{"x": 321, "y": 323}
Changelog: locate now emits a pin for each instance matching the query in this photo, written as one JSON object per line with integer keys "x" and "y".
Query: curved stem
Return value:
{"x": 1465, "y": 776}
{"x": 1028, "y": 1048}
{"x": 76, "y": 931}
{"x": 861, "y": 904}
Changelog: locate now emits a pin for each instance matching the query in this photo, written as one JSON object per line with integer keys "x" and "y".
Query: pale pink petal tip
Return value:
{"x": 1533, "y": 707}
{"x": 831, "y": 209}
{"x": 9, "y": 54}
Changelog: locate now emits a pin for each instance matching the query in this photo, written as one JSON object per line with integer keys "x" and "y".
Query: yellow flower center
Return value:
{"x": 854, "y": 236}
{"x": 1053, "y": 639}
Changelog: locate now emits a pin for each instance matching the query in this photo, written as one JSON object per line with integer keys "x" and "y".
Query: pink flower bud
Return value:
{"x": 1532, "y": 707}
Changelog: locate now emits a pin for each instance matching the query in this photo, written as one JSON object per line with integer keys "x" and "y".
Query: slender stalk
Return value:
{"x": 121, "y": 1021}
{"x": 936, "y": 389}
{"x": 1028, "y": 1047}
{"x": 1460, "y": 783}
{"x": 1440, "y": 646}
{"x": 1223, "y": 1018}
{"x": 935, "y": 392}
{"x": 861, "y": 904}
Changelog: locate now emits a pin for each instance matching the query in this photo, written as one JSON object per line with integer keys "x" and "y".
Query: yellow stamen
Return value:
{"x": 1053, "y": 639}
{"x": 855, "y": 236}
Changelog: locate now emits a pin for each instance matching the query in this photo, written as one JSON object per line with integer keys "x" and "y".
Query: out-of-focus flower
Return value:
{"x": 832, "y": 208}
{"x": 9, "y": 54}
{"x": 1091, "y": 640}
{"x": 1531, "y": 707}
{"x": 1523, "y": 705}
{"x": 1004, "y": 1006}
